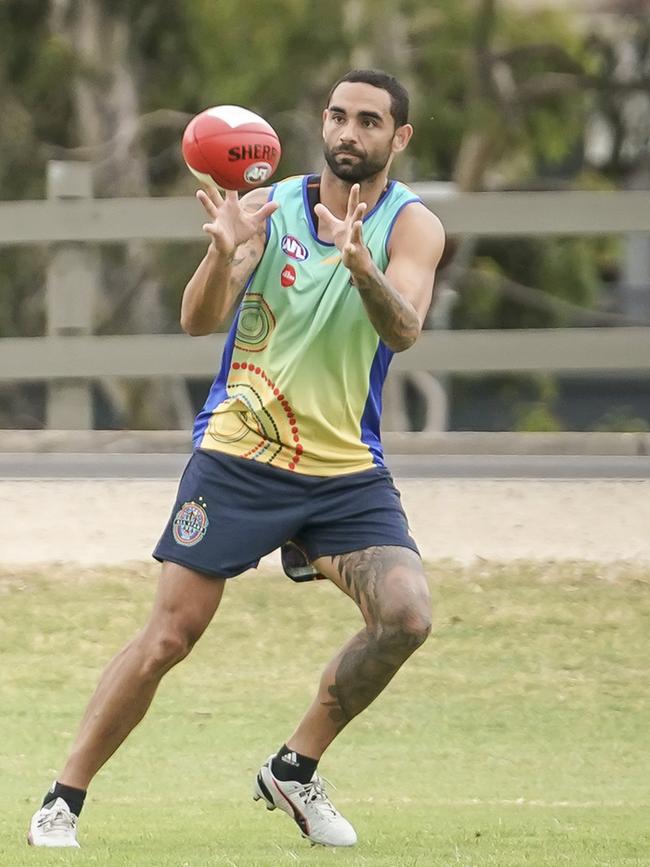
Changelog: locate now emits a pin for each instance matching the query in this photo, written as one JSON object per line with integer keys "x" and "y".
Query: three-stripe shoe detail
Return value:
{"x": 290, "y": 759}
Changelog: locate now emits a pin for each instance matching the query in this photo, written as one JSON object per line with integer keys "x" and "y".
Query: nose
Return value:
{"x": 348, "y": 141}
{"x": 347, "y": 133}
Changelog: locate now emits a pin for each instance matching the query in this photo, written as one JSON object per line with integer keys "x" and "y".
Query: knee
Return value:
{"x": 415, "y": 624}
{"x": 163, "y": 649}
{"x": 407, "y": 626}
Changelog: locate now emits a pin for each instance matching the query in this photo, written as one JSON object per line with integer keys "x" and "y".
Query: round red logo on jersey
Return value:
{"x": 288, "y": 276}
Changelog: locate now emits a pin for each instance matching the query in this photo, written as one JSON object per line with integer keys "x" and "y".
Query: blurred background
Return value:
{"x": 547, "y": 103}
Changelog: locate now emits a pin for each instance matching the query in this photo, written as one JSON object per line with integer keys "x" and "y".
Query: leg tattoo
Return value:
{"x": 388, "y": 585}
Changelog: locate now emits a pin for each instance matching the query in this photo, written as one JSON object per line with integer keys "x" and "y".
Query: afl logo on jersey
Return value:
{"x": 294, "y": 248}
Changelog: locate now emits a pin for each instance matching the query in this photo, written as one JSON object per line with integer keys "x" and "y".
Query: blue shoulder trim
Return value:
{"x": 308, "y": 215}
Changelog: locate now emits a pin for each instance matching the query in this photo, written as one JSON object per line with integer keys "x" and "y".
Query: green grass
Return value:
{"x": 518, "y": 735}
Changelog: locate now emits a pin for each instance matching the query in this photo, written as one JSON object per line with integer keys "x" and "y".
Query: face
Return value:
{"x": 359, "y": 134}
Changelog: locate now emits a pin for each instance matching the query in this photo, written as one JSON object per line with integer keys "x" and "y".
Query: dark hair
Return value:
{"x": 399, "y": 98}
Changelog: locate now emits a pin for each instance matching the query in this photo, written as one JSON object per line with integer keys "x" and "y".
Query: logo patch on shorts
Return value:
{"x": 190, "y": 524}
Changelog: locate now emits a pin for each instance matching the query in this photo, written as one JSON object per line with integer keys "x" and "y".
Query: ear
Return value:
{"x": 402, "y": 137}
{"x": 324, "y": 118}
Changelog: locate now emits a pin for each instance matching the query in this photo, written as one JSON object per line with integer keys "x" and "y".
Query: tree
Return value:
{"x": 501, "y": 99}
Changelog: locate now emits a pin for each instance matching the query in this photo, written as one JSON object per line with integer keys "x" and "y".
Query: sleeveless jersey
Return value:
{"x": 303, "y": 368}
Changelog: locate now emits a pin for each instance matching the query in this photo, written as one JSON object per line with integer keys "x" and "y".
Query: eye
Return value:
{"x": 368, "y": 123}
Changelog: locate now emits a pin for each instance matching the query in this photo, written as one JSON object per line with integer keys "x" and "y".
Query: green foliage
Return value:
{"x": 22, "y": 275}
{"x": 279, "y": 57}
{"x": 622, "y": 419}
{"x": 538, "y": 415}
{"x": 564, "y": 268}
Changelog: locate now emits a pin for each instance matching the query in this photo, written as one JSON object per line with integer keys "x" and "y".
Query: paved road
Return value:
{"x": 165, "y": 466}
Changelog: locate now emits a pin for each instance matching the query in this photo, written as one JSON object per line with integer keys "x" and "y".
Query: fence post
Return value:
{"x": 636, "y": 268}
{"x": 71, "y": 286}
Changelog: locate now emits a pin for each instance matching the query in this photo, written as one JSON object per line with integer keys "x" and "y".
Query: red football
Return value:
{"x": 231, "y": 147}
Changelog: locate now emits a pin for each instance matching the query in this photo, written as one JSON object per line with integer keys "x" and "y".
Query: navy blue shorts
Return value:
{"x": 230, "y": 512}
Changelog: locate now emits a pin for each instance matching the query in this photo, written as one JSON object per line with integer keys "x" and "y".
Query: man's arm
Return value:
{"x": 237, "y": 230}
{"x": 397, "y": 302}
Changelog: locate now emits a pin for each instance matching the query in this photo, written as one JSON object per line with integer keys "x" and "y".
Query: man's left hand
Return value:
{"x": 347, "y": 234}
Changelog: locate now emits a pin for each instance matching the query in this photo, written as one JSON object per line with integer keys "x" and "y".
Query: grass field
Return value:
{"x": 518, "y": 735}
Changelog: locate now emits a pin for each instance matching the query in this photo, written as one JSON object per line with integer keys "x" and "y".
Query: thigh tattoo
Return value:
{"x": 364, "y": 572}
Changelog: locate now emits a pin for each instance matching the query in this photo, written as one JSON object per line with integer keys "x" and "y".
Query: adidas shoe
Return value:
{"x": 308, "y": 805}
{"x": 53, "y": 825}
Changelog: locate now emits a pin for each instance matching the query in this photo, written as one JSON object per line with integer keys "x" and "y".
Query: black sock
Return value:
{"x": 74, "y": 798}
{"x": 290, "y": 765}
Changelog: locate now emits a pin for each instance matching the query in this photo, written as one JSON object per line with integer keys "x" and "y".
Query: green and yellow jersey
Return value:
{"x": 303, "y": 368}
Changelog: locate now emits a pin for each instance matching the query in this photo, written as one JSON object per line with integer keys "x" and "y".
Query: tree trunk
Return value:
{"x": 105, "y": 94}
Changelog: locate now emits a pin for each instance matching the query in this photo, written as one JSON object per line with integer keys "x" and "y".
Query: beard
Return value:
{"x": 356, "y": 168}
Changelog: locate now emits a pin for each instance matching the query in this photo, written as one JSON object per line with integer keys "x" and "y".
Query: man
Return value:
{"x": 338, "y": 273}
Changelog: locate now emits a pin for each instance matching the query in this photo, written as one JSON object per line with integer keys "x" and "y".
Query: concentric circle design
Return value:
{"x": 255, "y": 325}
{"x": 227, "y": 427}
{"x": 284, "y": 439}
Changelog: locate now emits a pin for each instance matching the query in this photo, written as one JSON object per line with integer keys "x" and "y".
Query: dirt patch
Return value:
{"x": 107, "y": 522}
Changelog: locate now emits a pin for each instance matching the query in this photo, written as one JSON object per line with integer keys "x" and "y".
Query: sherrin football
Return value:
{"x": 231, "y": 147}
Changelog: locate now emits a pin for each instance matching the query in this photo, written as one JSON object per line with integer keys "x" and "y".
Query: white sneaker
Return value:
{"x": 53, "y": 825}
{"x": 307, "y": 804}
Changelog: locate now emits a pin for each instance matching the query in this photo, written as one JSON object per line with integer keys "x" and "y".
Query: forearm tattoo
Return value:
{"x": 371, "y": 658}
{"x": 244, "y": 259}
{"x": 393, "y": 317}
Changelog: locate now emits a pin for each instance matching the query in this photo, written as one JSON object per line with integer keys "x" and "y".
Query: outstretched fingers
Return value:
{"x": 354, "y": 239}
{"x": 211, "y": 201}
{"x": 353, "y": 201}
{"x": 323, "y": 213}
{"x": 265, "y": 211}
{"x": 359, "y": 212}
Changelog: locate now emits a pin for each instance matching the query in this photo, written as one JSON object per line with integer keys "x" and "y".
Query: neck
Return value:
{"x": 334, "y": 192}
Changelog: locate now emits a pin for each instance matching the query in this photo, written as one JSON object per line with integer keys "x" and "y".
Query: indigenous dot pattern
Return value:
{"x": 282, "y": 402}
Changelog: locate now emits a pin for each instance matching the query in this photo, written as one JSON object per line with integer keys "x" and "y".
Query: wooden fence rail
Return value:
{"x": 179, "y": 219}
{"x": 73, "y": 222}
{"x": 570, "y": 350}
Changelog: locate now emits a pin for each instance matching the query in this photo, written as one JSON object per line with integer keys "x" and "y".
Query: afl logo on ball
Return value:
{"x": 258, "y": 173}
{"x": 288, "y": 276}
{"x": 190, "y": 524}
{"x": 294, "y": 248}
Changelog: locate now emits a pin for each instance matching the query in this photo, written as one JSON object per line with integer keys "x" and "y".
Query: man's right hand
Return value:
{"x": 237, "y": 231}
{"x": 229, "y": 223}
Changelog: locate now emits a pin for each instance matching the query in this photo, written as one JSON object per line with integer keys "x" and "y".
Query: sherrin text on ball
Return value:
{"x": 231, "y": 147}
